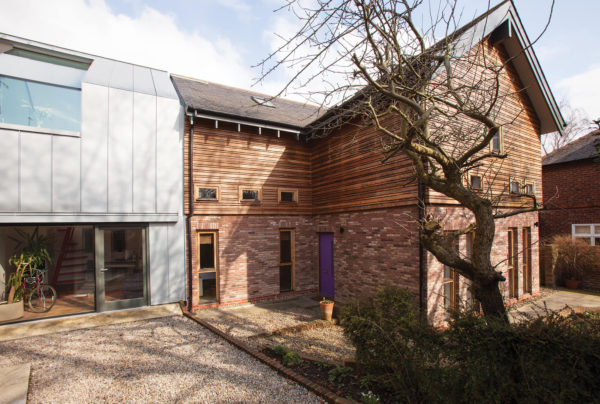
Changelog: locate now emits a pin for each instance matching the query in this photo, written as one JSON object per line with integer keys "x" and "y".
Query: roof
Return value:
{"x": 224, "y": 101}
{"x": 501, "y": 24}
{"x": 581, "y": 149}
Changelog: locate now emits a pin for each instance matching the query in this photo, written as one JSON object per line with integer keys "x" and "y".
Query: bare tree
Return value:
{"x": 435, "y": 95}
{"x": 578, "y": 124}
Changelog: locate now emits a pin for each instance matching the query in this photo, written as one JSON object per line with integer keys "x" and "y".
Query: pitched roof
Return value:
{"x": 580, "y": 149}
{"x": 224, "y": 101}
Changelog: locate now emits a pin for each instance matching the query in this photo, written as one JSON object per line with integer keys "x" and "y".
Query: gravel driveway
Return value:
{"x": 171, "y": 359}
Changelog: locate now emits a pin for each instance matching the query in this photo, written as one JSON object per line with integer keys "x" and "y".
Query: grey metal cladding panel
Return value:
{"x": 159, "y": 264}
{"x": 122, "y": 76}
{"x": 169, "y": 154}
{"x": 144, "y": 153}
{"x": 176, "y": 261}
{"x": 66, "y": 174}
{"x": 164, "y": 85}
{"x": 9, "y": 169}
{"x": 142, "y": 80}
{"x": 40, "y": 71}
{"x": 99, "y": 72}
{"x": 120, "y": 151}
{"x": 94, "y": 154}
{"x": 36, "y": 170}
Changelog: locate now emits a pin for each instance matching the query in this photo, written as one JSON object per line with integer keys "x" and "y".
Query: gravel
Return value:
{"x": 171, "y": 359}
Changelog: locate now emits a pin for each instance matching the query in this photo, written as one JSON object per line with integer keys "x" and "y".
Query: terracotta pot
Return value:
{"x": 11, "y": 311}
{"x": 326, "y": 310}
{"x": 572, "y": 283}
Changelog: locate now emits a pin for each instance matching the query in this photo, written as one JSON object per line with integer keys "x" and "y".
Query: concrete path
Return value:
{"x": 558, "y": 301}
{"x": 14, "y": 382}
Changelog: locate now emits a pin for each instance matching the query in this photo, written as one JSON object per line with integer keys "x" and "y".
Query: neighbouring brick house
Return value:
{"x": 572, "y": 195}
{"x": 274, "y": 210}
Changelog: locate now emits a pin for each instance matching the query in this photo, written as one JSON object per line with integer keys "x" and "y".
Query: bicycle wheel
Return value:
{"x": 42, "y": 299}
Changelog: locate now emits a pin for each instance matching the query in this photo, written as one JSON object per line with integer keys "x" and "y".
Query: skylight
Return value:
{"x": 262, "y": 101}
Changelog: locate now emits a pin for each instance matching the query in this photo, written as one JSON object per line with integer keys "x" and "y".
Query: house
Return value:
{"x": 572, "y": 194}
{"x": 91, "y": 163}
{"x": 276, "y": 208}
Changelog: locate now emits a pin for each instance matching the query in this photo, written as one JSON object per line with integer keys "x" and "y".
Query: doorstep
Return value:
{"x": 61, "y": 324}
{"x": 14, "y": 383}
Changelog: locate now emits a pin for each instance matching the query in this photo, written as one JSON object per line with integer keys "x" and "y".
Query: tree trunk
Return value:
{"x": 491, "y": 300}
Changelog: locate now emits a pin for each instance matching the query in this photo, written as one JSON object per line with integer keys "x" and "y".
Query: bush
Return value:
{"x": 339, "y": 373}
{"x": 291, "y": 359}
{"x": 279, "y": 349}
{"x": 574, "y": 257}
{"x": 548, "y": 359}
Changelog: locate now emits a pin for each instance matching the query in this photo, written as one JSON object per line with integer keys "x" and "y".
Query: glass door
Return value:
{"x": 120, "y": 268}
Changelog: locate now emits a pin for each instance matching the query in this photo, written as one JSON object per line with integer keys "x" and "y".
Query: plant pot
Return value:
{"x": 326, "y": 310}
{"x": 11, "y": 311}
{"x": 572, "y": 283}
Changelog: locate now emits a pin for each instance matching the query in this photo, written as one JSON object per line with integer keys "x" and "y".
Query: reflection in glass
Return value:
{"x": 123, "y": 264}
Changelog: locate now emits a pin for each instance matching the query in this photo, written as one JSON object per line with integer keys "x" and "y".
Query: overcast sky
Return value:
{"x": 219, "y": 40}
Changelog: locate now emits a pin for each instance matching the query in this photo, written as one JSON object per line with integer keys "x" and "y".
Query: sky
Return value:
{"x": 221, "y": 40}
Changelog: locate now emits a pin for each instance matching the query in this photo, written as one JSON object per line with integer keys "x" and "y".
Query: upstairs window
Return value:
{"x": 528, "y": 189}
{"x": 589, "y": 233}
{"x": 515, "y": 187}
{"x": 496, "y": 143}
{"x": 476, "y": 183}
{"x": 30, "y": 103}
{"x": 288, "y": 195}
{"x": 207, "y": 193}
{"x": 248, "y": 194}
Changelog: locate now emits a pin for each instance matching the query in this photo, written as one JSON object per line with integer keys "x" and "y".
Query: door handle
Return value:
{"x": 104, "y": 269}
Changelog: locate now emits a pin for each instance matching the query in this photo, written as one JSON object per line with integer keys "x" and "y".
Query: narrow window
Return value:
{"x": 207, "y": 266}
{"x": 476, "y": 183}
{"x": 527, "y": 275}
{"x": 528, "y": 189}
{"x": 451, "y": 286}
{"x": 496, "y": 143}
{"x": 286, "y": 260}
{"x": 207, "y": 193}
{"x": 513, "y": 271}
{"x": 288, "y": 195}
{"x": 250, "y": 194}
{"x": 514, "y": 187}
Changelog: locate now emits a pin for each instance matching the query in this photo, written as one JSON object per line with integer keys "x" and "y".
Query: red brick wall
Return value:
{"x": 377, "y": 248}
{"x": 454, "y": 218}
{"x": 577, "y": 199}
{"x": 248, "y": 254}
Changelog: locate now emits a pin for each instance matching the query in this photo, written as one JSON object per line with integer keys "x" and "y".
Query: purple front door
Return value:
{"x": 326, "y": 264}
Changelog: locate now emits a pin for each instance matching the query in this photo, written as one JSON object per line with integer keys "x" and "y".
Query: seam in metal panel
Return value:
{"x": 108, "y": 151}
{"x": 52, "y": 174}
{"x": 19, "y": 171}
{"x": 132, "y": 146}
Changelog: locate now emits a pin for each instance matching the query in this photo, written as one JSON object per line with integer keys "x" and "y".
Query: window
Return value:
{"x": 528, "y": 189}
{"x": 515, "y": 187}
{"x": 29, "y": 103}
{"x": 262, "y": 101}
{"x": 248, "y": 194}
{"x": 207, "y": 265}
{"x": 207, "y": 193}
{"x": 451, "y": 286}
{"x": 496, "y": 143}
{"x": 527, "y": 275}
{"x": 587, "y": 232}
{"x": 288, "y": 195}
{"x": 476, "y": 182}
{"x": 513, "y": 271}
{"x": 286, "y": 260}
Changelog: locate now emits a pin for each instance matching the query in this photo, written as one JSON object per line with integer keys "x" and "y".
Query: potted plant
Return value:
{"x": 326, "y": 309}
{"x": 33, "y": 247}
{"x": 13, "y": 307}
{"x": 574, "y": 258}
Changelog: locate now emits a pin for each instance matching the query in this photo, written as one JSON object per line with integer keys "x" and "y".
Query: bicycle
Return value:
{"x": 39, "y": 295}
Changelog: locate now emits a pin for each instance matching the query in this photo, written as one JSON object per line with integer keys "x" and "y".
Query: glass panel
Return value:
{"x": 514, "y": 187}
{"x": 496, "y": 143}
{"x": 597, "y": 241}
{"x": 123, "y": 264}
{"x": 597, "y": 229}
{"x": 582, "y": 229}
{"x": 285, "y": 278}
{"x": 48, "y": 59}
{"x": 207, "y": 251}
{"x": 287, "y": 196}
{"x": 285, "y": 247}
{"x": 249, "y": 195}
{"x": 529, "y": 189}
{"x": 28, "y": 103}
{"x": 586, "y": 239}
{"x": 208, "y": 286}
{"x": 476, "y": 182}
{"x": 207, "y": 193}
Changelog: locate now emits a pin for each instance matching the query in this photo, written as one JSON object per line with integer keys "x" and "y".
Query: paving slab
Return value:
{"x": 558, "y": 301}
{"x": 53, "y": 325}
{"x": 14, "y": 382}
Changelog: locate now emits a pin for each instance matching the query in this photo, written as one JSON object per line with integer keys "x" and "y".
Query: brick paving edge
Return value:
{"x": 324, "y": 393}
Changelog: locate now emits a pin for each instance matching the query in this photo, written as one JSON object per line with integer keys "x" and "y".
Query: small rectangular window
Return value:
{"x": 496, "y": 143}
{"x": 207, "y": 266}
{"x": 288, "y": 195}
{"x": 515, "y": 187}
{"x": 207, "y": 193}
{"x": 528, "y": 189}
{"x": 286, "y": 260}
{"x": 476, "y": 183}
{"x": 249, "y": 194}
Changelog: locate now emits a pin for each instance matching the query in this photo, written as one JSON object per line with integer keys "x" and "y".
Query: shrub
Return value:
{"x": 291, "y": 359}
{"x": 279, "y": 350}
{"x": 339, "y": 373}
{"x": 547, "y": 359}
{"x": 574, "y": 257}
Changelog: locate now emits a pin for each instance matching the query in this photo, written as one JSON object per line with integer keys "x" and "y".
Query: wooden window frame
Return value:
{"x": 196, "y": 193}
{"x": 591, "y": 235}
{"x": 292, "y": 190}
{"x": 292, "y": 256}
{"x": 215, "y": 235}
{"x": 501, "y": 136}
{"x": 513, "y": 262}
{"x": 512, "y": 180}
{"x": 249, "y": 188}
{"x": 527, "y": 264}
{"x": 525, "y": 183}
{"x": 471, "y": 182}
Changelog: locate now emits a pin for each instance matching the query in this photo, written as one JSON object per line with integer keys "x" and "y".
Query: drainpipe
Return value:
{"x": 190, "y": 211}
{"x": 422, "y": 288}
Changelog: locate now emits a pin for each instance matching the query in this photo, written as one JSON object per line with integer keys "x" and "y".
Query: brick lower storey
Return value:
{"x": 371, "y": 249}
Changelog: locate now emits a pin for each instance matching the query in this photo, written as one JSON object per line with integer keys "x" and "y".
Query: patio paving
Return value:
{"x": 557, "y": 301}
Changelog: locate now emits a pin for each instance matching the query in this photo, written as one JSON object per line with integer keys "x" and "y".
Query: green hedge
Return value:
{"x": 550, "y": 359}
